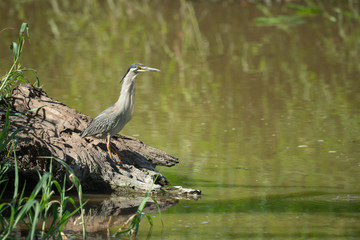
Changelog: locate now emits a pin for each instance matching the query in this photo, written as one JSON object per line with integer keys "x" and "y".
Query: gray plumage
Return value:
{"x": 114, "y": 118}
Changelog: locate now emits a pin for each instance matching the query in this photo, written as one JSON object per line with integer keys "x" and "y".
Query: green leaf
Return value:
{"x": 279, "y": 20}
{"x": 14, "y": 48}
{"x": 304, "y": 10}
{"x": 24, "y": 26}
{"x": 159, "y": 210}
{"x": 149, "y": 219}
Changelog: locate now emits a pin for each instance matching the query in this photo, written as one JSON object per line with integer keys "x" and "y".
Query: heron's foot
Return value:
{"x": 114, "y": 150}
{"x": 110, "y": 149}
{"x": 113, "y": 160}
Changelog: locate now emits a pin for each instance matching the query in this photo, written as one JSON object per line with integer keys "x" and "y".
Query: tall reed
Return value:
{"x": 16, "y": 72}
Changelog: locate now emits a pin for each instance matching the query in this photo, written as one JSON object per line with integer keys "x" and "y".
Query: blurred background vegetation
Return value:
{"x": 257, "y": 98}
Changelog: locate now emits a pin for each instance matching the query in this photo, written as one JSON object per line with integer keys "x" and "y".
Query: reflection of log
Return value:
{"x": 54, "y": 131}
{"x": 113, "y": 212}
{"x": 101, "y": 215}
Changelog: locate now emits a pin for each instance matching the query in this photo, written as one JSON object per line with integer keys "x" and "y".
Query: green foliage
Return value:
{"x": 310, "y": 9}
{"x": 301, "y": 12}
{"x": 16, "y": 73}
{"x": 279, "y": 20}
{"x": 40, "y": 204}
{"x": 282, "y": 20}
{"x": 30, "y": 210}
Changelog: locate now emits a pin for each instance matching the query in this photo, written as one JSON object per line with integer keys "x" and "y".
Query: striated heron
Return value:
{"x": 114, "y": 118}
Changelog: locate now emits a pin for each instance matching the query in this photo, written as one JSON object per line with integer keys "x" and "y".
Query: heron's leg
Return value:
{"x": 114, "y": 150}
{"x": 108, "y": 146}
{"x": 111, "y": 148}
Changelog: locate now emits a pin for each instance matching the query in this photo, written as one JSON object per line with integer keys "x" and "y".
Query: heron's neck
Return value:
{"x": 127, "y": 90}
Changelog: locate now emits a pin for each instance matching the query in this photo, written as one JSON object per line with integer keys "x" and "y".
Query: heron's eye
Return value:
{"x": 138, "y": 67}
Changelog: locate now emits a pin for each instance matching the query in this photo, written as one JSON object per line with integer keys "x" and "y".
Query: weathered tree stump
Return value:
{"x": 54, "y": 130}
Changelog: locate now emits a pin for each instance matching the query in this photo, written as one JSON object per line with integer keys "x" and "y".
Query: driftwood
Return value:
{"x": 54, "y": 130}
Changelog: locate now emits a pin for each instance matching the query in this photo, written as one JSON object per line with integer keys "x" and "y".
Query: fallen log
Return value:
{"x": 54, "y": 130}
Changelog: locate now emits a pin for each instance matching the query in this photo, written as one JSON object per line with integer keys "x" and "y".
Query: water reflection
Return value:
{"x": 264, "y": 118}
{"x": 110, "y": 214}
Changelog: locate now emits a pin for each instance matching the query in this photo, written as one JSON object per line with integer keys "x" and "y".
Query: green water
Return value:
{"x": 263, "y": 114}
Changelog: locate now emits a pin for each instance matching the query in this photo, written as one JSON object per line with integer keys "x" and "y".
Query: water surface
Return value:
{"x": 262, "y": 113}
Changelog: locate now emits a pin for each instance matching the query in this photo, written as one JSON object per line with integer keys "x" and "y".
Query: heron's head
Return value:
{"x": 136, "y": 68}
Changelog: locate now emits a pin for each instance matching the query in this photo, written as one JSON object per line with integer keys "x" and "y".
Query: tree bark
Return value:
{"x": 54, "y": 130}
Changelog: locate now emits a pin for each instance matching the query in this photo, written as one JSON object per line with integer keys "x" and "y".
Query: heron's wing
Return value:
{"x": 103, "y": 123}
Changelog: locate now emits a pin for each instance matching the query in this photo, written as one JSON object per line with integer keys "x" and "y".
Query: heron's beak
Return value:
{"x": 148, "y": 69}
